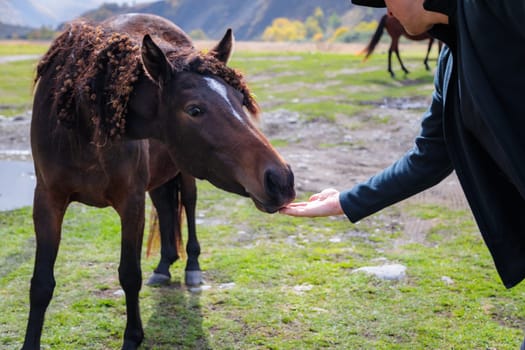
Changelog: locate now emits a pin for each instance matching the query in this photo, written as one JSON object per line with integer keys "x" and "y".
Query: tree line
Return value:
{"x": 317, "y": 27}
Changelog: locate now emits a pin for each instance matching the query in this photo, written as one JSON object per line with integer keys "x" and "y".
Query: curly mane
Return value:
{"x": 96, "y": 68}
{"x": 90, "y": 64}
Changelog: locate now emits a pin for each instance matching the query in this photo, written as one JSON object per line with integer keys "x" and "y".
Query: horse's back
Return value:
{"x": 138, "y": 24}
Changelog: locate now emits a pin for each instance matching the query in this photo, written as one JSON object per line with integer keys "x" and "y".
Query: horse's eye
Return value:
{"x": 194, "y": 111}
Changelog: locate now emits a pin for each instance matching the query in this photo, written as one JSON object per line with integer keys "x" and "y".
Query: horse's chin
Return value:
{"x": 262, "y": 205}
{"x": 265, "y": 208}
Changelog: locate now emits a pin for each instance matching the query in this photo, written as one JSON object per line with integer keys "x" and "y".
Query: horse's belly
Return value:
{"x": 92, "y": 183}
{"x": 90, "y": 200}
{"x": 87, "y": 187}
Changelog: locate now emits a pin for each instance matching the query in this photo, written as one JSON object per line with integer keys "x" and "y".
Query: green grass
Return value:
{"x": 275, "y": 282}
{"x": 16, "y": 84}
{"x": 16, "y": 87}
{"x": 22, "y": 47}
{"x": 327, "y": 85}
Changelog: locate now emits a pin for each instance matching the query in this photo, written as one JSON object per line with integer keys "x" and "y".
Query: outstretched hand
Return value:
{"x": 325, "y": 203}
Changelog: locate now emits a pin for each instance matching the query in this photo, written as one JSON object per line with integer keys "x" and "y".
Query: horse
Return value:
{"x": 396, "y": 30}
{"x": 128, "y": 106}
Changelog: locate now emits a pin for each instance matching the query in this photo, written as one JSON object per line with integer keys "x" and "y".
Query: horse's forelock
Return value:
{"x": 205, "y": 64}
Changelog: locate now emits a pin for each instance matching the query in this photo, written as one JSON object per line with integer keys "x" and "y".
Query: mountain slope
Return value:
{"x": 248, "y": 19}
{"x": 22, "y": 12}
{"x": 37, "y": 13}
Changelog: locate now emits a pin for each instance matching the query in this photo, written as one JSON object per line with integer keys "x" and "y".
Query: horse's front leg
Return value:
{"x": 165, "y": 198}
{"x": 193, "y": 273}
{"x": 48, "y": 213}
{"x": 130, "y": 275}
{"x": 401, "y": 62}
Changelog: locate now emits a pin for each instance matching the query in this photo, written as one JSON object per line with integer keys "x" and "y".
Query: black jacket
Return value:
{"x": 475, "y": 125}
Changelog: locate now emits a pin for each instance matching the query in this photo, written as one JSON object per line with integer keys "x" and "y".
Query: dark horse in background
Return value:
{"x": 129, "y": 106}
{"x": 396, "y": 30}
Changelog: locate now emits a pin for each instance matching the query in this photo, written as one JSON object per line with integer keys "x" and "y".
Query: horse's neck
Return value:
{"x": 141, "y": 121}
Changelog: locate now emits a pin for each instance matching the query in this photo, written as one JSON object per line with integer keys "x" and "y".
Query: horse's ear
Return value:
{"x": 154, "y": 60}
{"x": 224, "y": 49}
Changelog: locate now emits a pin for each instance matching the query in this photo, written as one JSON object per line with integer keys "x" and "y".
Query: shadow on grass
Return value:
{"x": 17, "y": 258}
{"x": 176, "y": 321}
{"x": 397, "y": 82}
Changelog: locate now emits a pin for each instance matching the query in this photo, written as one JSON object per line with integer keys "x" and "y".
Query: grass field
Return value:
{"x": 22, "y": 47}
{"x": 16, "y": 83}
{"x": 274, "y": 282}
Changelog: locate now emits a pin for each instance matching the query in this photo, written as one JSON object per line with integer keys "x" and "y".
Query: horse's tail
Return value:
{"x": 375, "y": 38}
{"x": 154, "y": 232}
{"x": 179, "y": 244}
{"x": 153, "y": 244}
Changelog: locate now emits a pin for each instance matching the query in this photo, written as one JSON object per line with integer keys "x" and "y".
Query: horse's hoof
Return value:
{"x": 193, "y": 278}
{"x": 130, "y": 345}
{"x": 158, "y": 279}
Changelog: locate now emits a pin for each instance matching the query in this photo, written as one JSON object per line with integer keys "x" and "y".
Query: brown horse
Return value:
{"x": 129, "y": 106}
{"x": 396, "y": 30}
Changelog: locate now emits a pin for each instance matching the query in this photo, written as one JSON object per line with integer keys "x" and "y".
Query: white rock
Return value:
{"x": 302, "y": 288}
{"x": 199, "y": 289}
{"x": 447, "y": 280}
{"x": 227, "y": 285}
{"x": 385, "y": 272}
{"x": 119, "y": 293}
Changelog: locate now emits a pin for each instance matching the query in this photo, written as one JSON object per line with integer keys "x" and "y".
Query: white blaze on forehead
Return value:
{"x": 221, "y": 90}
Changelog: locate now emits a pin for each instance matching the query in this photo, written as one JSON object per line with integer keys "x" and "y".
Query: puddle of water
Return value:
{"x": 17, "y": 184}
{"x": 400, "y": 103}
{"x": 15, "y": 58}
{"x": 11, "y": 154}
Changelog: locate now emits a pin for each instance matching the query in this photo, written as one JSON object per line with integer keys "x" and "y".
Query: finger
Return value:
{"x": 301, "y": 208}
{"x": 308, "y": 209}
{"x": 290, "y": 211}
{"x": 294, "y": 209}
{"x": 314, "y": 197}
{"x": 296, "y": 205}
{"x": 329, "y": 192}
{"x": 317, "y": 197}
{"x": 299, "y": 212}
{"x": 324, "y": 194}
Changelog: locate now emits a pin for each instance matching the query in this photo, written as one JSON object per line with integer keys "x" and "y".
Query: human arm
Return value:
{"x": 423, "y": 166}
{"x": 409, "y": 175}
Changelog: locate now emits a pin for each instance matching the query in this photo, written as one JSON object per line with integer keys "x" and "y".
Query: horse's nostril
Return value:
{"x": 271, "y": 182}
{"x": 291, "y": 180}
{"x": 279, "y": 183}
